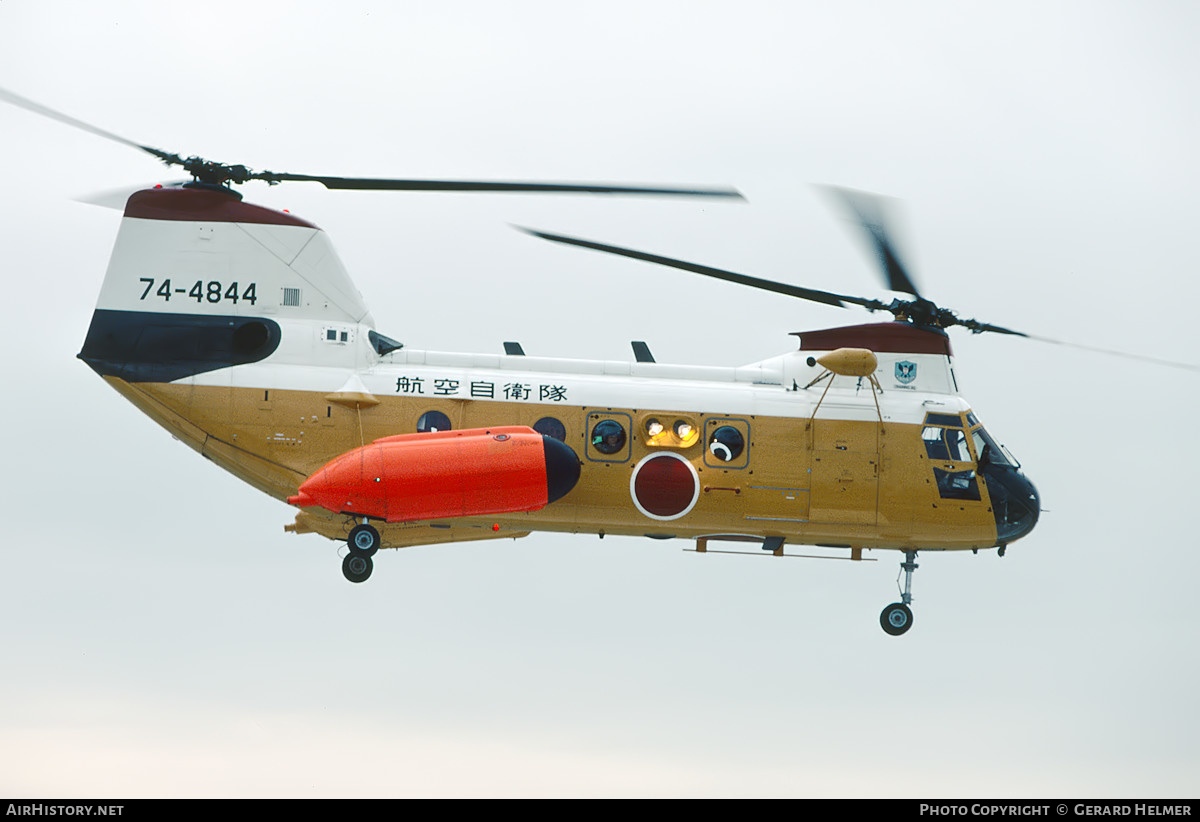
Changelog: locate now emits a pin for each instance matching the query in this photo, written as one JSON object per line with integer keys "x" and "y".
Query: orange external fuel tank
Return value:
{"x": 443, "y": 474}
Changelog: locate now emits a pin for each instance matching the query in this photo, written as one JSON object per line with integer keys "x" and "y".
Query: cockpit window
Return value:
{"x": 943, "y": 419}
{"x": 956, "y": 484}
{"x": 947, "y": 444}
{"x": 960, "y": 453}
{"x": 989, "y": 451}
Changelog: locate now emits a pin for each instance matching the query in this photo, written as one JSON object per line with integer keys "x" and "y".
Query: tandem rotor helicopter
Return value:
{"x": 237, "y": 329}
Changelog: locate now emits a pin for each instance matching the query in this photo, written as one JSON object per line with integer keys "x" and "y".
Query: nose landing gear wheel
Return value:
{"x": 357, "y": 567}
{"x": 896, "y": 618}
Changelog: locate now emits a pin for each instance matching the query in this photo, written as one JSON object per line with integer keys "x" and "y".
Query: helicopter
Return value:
{"x": 237, "y": 329}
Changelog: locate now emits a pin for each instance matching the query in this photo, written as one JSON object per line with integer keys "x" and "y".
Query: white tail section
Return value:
{"x": 204, "y": 251}
{"x": 199, "y": 281}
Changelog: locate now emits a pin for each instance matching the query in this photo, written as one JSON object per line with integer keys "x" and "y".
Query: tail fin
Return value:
{"x": 199, "y": 280}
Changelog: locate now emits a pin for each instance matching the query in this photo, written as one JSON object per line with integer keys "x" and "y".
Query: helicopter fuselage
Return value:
{"x": 844, "y": 465}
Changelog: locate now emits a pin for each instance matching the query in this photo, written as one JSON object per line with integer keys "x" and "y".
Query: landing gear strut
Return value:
{"x": 363, "y": 542}
{"x": 897, "y": 617}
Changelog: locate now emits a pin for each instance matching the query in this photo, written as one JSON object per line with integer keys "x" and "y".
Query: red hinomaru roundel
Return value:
{"x": 664, "y": 486}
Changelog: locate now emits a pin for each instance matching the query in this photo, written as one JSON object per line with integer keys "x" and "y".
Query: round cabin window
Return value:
{"x": 433, "y": 421}
{"x": 726, "y": 443}
{"x": 608, "y": 437}
{"x": 552, "y": 428}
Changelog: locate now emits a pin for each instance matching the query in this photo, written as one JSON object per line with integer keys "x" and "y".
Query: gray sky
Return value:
{"x": 164, "y": 637}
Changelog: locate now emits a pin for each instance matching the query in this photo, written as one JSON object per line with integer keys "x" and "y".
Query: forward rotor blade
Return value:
{"x": 978, "y": 327}
{"x": 868, "y": 211}
{"x": 825, "y": 297}
{"x": 1156, "y": 360}
{"x": 376, "y": 184}
{"x": 38, "y": 108}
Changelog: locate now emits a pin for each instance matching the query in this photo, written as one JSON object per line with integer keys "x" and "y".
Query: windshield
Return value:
{"x": 990, "y": 451}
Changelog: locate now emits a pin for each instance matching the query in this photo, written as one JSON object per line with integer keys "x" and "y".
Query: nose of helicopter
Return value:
{"x": 1015, "y": 502}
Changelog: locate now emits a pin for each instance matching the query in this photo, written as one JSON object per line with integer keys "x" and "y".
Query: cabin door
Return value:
{"x": 844, "y": 475}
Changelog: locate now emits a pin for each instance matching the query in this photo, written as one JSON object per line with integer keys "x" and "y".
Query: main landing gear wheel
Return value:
{"x": 357, "y": 567}
{"x": 363, "y": 543}
{"x": 896, "y": 618}
{"x": 363, "y": 540}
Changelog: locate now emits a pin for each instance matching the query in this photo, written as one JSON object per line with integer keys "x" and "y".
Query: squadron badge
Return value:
{"x": 906, "y": 372}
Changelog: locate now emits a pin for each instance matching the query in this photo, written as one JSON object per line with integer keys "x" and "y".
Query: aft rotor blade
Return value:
{"x": 116, "y": 198}
{"x": 377, "y": 184}
{"x": 825, "y": 297}
{"x": 868, "y": 211}
{"x": 220, "y": 174}
{"x": 45, "y": 111}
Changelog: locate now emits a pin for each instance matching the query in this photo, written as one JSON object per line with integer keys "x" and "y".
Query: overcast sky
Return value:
{"x": 163, "y": 636}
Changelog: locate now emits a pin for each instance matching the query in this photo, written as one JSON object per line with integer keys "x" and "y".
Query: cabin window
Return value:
{"x": 726, "y": 443}
{"x": 432, "y": 421}
{"x": 608, "y": 436}
{"x": 550, "y": 427}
